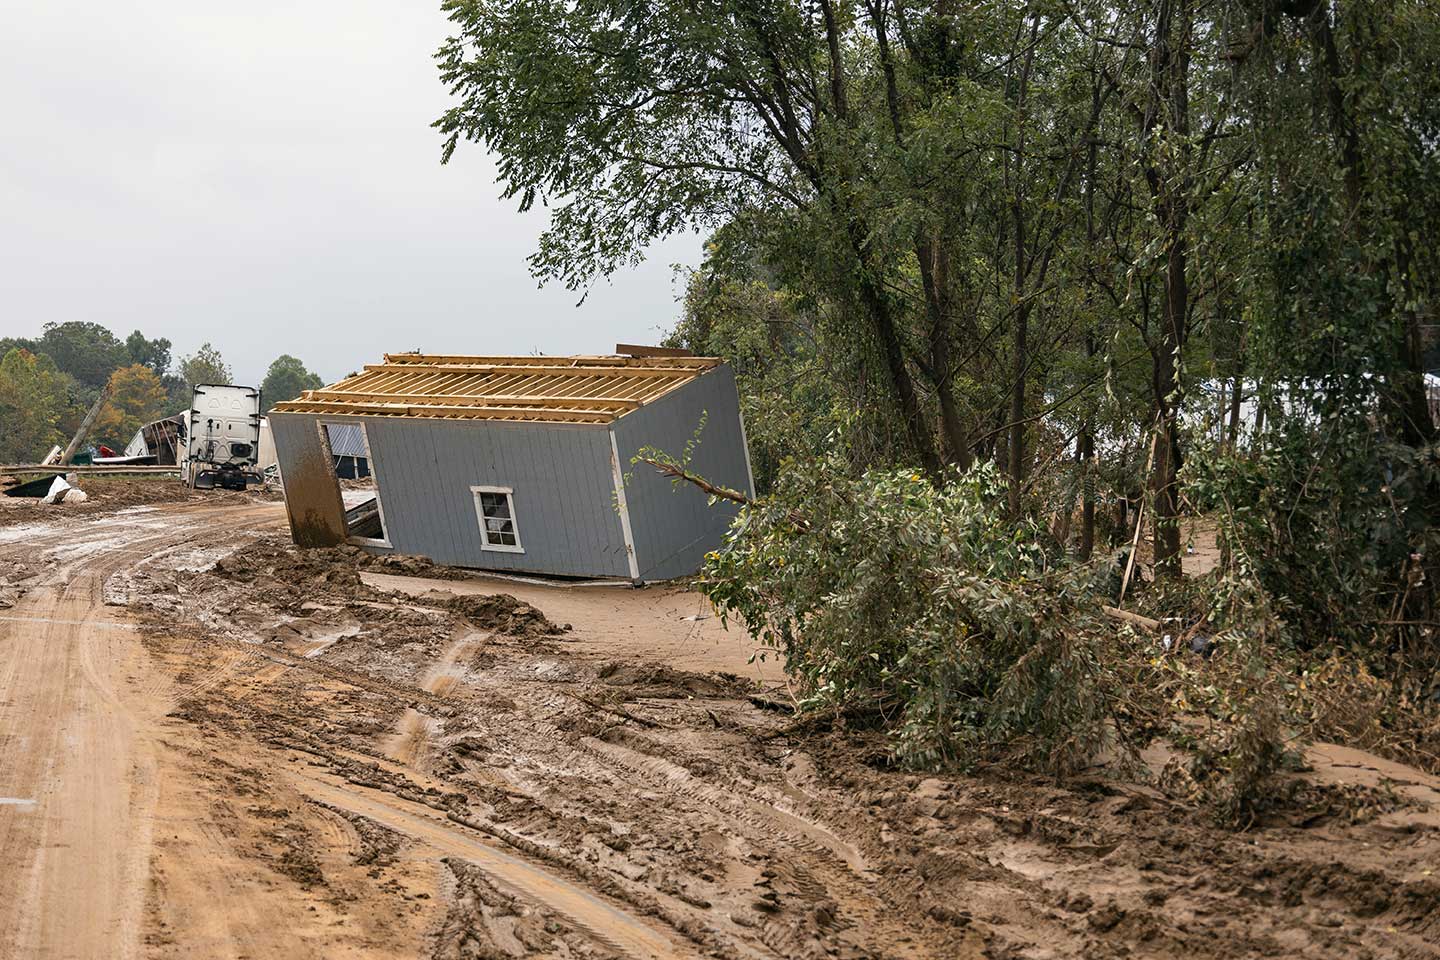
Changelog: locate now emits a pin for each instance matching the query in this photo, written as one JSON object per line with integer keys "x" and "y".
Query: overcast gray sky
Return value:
{"x": 264, "y": 176}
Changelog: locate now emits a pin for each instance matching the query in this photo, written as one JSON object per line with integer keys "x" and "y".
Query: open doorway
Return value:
{"x": 348, "y": 450}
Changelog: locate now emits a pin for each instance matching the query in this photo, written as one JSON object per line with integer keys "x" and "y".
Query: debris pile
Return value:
{"x": 280, "y": 573}
{"x": 48, "y": 489}
{"x": 64, "y": 491}
{"x": 409, "y": 565}
{"x": 274, "y": 565}
{"x": 499, "y": 612}
{"x": 661, "y": 681}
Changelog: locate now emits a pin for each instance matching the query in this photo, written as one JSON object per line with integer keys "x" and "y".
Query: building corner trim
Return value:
{"x": 619, "y": 479}
{"x": 745, "y": 446}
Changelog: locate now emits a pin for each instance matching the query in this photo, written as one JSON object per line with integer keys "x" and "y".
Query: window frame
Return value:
{"x": 485, "y": 544}
{"x": 320, "y": 424}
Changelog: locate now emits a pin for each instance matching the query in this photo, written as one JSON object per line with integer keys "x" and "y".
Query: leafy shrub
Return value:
{"x": 1337, "y": 527}
{"x": 962, "y": 627}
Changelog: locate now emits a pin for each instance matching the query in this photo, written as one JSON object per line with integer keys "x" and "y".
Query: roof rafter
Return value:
{"x": 585, "y": 389}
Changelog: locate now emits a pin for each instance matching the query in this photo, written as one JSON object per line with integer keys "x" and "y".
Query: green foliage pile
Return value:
{"x": 924, "y": 604}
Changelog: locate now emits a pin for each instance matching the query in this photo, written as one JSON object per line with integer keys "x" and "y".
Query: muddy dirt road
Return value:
{"x": 212, "y": 746}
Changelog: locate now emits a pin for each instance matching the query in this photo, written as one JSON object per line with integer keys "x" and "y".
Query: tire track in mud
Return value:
{"x": 409, "y": 801}
{"x": 769, "y": 820}
{"x": 428, "y": 822}
{"x": 87, "y": 754}
{"x": 818, "y": 865}
{"x": 598, "y": 918}
{"x": 813, "y": 862}
{"x": 853, "y": 886}
{"x": 295, "y": 733}
{"x": 795, "y": 830}
{"x": 79, "y": 577}
{"x": 107, "y": 563}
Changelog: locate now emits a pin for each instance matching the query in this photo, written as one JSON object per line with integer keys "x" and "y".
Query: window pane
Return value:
{"x": 498, "y": 526}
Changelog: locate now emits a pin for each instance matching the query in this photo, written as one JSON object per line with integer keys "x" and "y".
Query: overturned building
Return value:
{"x": 518, "y": 463}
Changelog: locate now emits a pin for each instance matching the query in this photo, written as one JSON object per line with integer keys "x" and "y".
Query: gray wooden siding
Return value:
{"x": 564, "y": 493}
{"x": 674, "y": 526}
{"x": 312, "y": 498}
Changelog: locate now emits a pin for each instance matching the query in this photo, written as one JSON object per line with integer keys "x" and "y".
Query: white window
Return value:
{"x": 495, "y": 509}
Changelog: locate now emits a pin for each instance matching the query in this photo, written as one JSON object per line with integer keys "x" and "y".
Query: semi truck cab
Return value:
{"x": 222, "y": 443}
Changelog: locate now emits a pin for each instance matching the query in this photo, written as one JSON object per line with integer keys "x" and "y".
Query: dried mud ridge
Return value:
{"x": 387, "y": 776}
{"x": 279, "y": 574}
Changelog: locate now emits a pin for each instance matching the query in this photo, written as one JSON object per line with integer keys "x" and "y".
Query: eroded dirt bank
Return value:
{"x": 305, "y": 763}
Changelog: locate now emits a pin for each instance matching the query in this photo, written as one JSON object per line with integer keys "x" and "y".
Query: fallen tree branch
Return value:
{"x": 1140, "y": 621}
{"x": 765, "y": 702}
{"x": 616, "y": 711}
{"x": 676, "y": 472}
{"x": 816, "y": 718}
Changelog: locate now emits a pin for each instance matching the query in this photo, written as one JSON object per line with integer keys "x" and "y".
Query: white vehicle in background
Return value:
{"x": 222, "y": 437}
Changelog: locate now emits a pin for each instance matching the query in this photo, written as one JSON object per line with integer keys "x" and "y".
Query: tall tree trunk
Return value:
{"x": 1087, "y": 490}
{"x": 1017, "y": 462}
{"x": 917, "y": 426}
{"x": 871, "y": 289}
{"x": 1165, "y": 478}
{"x": 1404, "y": 398}
{"x": 1169, "y": 175}
{"x": 1222, "y": 406}
{"x": 935, "y": 279}
{"x": 1021, "y": 333}
{"x": 1237, "y": 396}
{"x": 1405, "y": 385}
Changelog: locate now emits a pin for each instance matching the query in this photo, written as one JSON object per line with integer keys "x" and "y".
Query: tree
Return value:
{"x": 1035, "y": 233}
{"x": 204, "y": 366}
{"x": 87, "y": 351}
{"x": 786, "y": 367}
{"x": 912, "y": 174}
{"x": 154, "y": 354}
{"x": 136, "y": 398}
{"x": 33, "y": 400}
{"x": 24, "y": 343}
{"x": 670, "y": 117}
{"x": 286, "y": 379}
{"x": 177, "y": 392}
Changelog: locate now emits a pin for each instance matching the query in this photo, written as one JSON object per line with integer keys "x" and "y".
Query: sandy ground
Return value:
{"x": 665, "y": 623}
{"x": 271, "y": 757}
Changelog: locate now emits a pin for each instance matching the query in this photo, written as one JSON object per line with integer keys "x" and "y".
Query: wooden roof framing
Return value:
{"x": 532, "y": 389}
